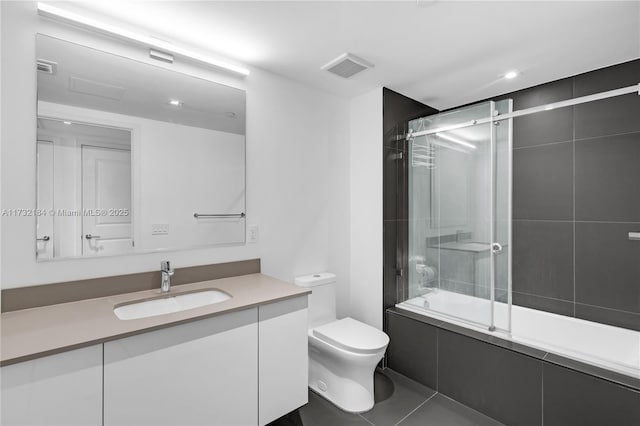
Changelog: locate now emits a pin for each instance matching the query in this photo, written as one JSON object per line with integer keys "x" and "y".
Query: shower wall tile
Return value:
{"x": 576, "y": 399}
{"x": 392, "y": 205}
{"x": 398, "y": 110}
{"x": 543, "y": 182}
{"x": 556, "y": 306}
{"x": 607, "y": 266}
{"x": 389, "y": 262}
{"x": 412, "y": 349}
{"x": 607, "y": 177}
{"x": 545, "y": 127}
{"x": 614, "y": 317}
{"x": 457, "y": 266}
{"x": 610, "y": 116}
{"x": 497, "y": 382}
{"x": 543, "y": 259}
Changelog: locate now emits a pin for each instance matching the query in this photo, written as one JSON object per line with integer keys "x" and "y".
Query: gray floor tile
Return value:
{"x": 320, "y": 412}
{"x": 396, "y": 396}
{"x": 443, "y": 411}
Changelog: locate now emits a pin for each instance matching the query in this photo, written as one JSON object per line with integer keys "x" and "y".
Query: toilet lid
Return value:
{"x": 352, "y": 335}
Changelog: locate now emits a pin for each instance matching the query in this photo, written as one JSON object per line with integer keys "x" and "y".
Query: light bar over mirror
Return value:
{"x": 49, "y": 11}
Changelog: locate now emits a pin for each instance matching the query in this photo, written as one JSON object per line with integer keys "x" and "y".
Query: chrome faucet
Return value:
{"x": 167, "y": 271}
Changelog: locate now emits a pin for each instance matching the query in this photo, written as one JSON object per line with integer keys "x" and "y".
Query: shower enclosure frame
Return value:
{"x": 495, "y": 117}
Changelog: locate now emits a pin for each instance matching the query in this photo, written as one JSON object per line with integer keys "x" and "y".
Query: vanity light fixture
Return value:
{"x": 46, "y": 10}
{"x": 176, "y": 103}
{"x": 511, "y": 74}
{"x": 160, "y": 56}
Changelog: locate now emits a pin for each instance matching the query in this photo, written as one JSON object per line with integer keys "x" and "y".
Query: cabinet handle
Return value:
{"x": 45, "y": 238}
{"x": 92, "y": 237}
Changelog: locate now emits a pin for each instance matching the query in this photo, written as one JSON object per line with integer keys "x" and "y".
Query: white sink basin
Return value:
{"x": 170, "y": 304}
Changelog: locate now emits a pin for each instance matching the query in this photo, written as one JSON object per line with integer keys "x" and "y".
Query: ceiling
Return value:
{"x": 444, "y": 53}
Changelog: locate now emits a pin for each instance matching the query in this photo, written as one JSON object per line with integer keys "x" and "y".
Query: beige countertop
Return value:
{"x": 37, "y": 332}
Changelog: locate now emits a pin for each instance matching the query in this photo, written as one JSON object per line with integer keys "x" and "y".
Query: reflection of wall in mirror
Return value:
{"x": 177, "y": 171}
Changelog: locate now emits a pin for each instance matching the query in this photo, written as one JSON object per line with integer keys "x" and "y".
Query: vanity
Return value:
{"x": 137, "y": 152}
{"x": 240, "y": 361}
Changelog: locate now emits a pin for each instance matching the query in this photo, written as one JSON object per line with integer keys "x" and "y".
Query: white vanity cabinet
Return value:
{"x": 61, "y": 389}
{"x": 283, "y": 360}
{"x": 203, "y": 372}
{"x": 245, "y": 368}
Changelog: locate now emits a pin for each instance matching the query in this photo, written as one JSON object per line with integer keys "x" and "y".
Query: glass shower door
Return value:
{"x": 459, "y": 215}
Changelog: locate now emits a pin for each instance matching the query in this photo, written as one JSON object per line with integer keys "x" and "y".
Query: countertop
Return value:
{"x": 37, "y": 332}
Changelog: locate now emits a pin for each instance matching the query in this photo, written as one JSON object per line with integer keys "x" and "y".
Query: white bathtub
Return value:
{"x": 614, "y": 348}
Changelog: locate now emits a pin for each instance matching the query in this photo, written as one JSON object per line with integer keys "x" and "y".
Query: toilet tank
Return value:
{"x": 322, "y": 300}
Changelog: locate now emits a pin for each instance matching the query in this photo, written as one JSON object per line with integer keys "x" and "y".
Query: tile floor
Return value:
{"x": 399, "y": 401}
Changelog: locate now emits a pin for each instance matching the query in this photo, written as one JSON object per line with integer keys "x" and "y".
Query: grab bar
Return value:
{"x": 199, "y": 215}
{"x": 634, "y": 236}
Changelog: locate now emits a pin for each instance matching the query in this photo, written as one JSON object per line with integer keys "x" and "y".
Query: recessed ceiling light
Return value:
{"x": 175, "y": 103}
{"x": 511, "y": 74}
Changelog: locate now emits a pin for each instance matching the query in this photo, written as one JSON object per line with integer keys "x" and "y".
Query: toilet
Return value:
{"x": 343, "y": 354}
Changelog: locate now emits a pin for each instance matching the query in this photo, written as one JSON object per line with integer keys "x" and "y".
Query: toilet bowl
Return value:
{"x": 343, "y": 354}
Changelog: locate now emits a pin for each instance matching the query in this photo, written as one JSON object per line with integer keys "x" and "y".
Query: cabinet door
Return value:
{"x": 200, "y": 373}
{"x": 283, "y": 363}
{"x": 62, "y": 389}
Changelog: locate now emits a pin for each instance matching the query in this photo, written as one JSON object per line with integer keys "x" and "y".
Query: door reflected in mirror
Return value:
{"x": 134, "y": 158}
{"x": 84, "y": 187}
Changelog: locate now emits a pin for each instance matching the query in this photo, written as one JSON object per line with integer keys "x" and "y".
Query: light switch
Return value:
{"x": 252, "y": 233}
{"x": 160, "y": 229}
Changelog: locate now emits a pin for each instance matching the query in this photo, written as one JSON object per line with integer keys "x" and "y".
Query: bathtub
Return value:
{"x": 605, "y": 346}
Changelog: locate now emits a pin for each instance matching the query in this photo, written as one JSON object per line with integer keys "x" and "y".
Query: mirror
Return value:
{"x": 133, "y": 157}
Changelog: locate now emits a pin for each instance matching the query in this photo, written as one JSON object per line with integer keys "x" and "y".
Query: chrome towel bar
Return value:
{"x": 199, "y": 215}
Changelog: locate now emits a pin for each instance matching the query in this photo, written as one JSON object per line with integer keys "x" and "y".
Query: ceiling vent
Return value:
{"x": 48, "y": 67}
{"x": 347, "y": 65}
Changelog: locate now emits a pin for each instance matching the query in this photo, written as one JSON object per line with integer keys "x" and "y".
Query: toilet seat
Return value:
{"x": 352, "y": 336}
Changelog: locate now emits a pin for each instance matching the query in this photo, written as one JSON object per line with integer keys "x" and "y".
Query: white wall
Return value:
{"x": 366, "y": 208}
{"x": 297, "y": 168}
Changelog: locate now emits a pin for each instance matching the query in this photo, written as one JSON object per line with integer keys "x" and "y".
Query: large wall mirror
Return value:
{"x": 132, "y": 157}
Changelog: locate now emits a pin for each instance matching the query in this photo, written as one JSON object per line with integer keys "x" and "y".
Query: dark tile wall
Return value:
{"x": 576, "y": 196}
{"x": 398, "y": 110}
{"x": 512, "y": 383}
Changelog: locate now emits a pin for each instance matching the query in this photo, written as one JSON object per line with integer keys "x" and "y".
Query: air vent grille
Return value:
{"x": 46, "y": 66}
{"x": 347, "y": 65}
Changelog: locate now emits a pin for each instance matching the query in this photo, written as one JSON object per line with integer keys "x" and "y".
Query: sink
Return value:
{"x": 170, "y": 304}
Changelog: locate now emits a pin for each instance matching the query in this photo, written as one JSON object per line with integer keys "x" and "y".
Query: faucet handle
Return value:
{"x": 165, "y": 266}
